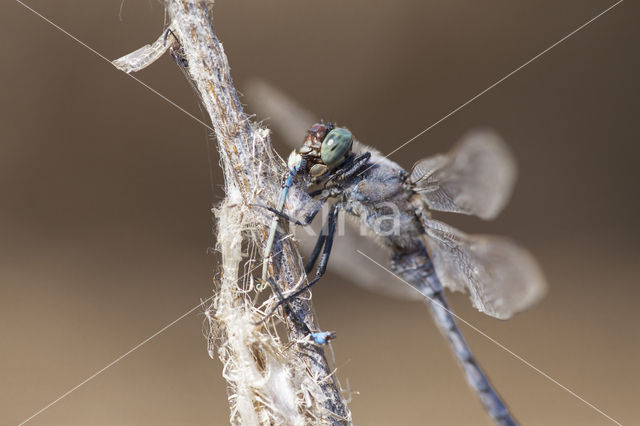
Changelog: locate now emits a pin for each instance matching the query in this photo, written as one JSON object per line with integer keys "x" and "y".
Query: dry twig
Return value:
{"x": 271, "y": 381}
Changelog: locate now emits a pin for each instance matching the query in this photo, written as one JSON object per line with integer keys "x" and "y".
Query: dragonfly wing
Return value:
{"x": 501, "y": 277}
{"x": 476, "y": 177}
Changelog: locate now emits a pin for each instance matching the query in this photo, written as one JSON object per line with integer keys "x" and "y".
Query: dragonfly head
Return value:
{"x": 325, "y": 148}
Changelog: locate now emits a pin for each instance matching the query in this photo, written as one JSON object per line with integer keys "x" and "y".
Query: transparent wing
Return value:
{"x": 476, "y": 177}
{"x": 502, "y": 278}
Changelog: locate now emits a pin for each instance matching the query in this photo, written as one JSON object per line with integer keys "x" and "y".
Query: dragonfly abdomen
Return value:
{"x": 416, "y": 269}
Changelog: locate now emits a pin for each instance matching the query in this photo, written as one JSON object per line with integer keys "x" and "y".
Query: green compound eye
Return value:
{"x": 335, "y": 147}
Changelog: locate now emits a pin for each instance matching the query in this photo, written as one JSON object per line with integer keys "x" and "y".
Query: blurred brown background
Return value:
{"x": 106, "y": 190}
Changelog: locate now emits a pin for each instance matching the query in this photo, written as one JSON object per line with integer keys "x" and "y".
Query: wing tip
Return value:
{"x": 501, "y": 163}
{"x": 532, "y": 292}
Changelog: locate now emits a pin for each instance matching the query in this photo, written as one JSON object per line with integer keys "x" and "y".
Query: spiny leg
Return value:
{"x": 287, "y": 307}
{"x": 166, "y": 35}
{"x": 321, "y": 239}
{"x": 177, "y": 54}
{"x": 274, "y": 224}
{"x": 272, "y": 233}
{"x": 306, "y": 221}
{"x": 332, "y": 219}
{"x": 320, "y": 338}
{"x": 316, "y": 249}
{"x": 358, "y": 162}
{"x": 350, "y": 168}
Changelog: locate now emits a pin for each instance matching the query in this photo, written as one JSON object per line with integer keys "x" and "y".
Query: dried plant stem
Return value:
{"x": 269, "y": 380}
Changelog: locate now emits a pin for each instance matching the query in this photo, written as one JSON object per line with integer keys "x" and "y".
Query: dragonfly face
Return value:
{"x": 325, "y": 148}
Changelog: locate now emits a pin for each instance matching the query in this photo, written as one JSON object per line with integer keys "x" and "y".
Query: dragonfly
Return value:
{"x": 476, "y": 178}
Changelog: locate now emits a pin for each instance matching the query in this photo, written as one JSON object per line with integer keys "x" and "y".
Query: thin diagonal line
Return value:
{"x": 107, "y": 59}
{"x": 504, "y": 78}
{"x": 115, "y": 361}
{"x": 500, "y": 345}
{"x": 134, "y": 348}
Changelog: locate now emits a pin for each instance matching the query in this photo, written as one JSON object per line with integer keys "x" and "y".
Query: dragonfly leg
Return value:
{"x": 316, "y": 249}
{"x": 319, "y": 338}
{"x": 166, "y": 35}
{"x": 304, "y": 222}
{"x": 287, "y": 307}
{"x": 176, "y": 53}
{"x": 332, "y": 220}
{"x": 315, "y": 193}
{"x": 350, "y": 168}
{"x": 327, "y": 242}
